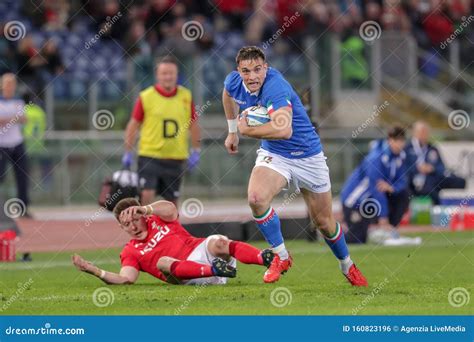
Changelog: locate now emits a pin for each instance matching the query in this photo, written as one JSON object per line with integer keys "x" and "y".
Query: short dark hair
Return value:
{"x": 396, "y": 132}
{"x": 166, "y": 59}
{"x": 249, "y": 53}
{"x": 124, "y": 204}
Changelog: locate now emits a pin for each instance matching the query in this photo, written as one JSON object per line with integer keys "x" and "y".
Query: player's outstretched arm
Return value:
{"x": 280, "y": 126}
{"x": 128, "y": 274}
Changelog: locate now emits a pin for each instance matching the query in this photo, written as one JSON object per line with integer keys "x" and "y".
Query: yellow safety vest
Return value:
{"x": 165, "y": 127}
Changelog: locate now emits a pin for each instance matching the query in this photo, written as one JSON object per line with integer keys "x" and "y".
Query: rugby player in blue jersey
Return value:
{"x": 290, "y": 152}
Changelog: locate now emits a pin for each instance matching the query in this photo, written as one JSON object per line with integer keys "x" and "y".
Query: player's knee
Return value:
{"x": 218, "y": 245}
{"x": 257, "y": 200}
{"x": 164, "y": 264}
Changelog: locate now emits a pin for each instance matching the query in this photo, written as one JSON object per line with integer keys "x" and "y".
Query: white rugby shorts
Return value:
{"x": 311, "y": 173}
{"x": 201, "y": 255}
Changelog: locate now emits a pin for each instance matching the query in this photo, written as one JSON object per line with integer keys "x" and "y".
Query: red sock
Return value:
{"x": 186, "y": 269}
{"x": 245, "y": 253}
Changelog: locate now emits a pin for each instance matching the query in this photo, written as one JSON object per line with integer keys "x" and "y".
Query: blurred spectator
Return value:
{"x": 416, "y": 10}
{"x": 159, "y": 16}
{"x": 140, "y": 51}
{"x": 7, "y": 53}
{"x": 52, "y": 61}
{"x": 154, "y": 26}
{"x": 29, "y": 61}
{"x": 437, "y": 22}
{"x": 34, "y": 11}
{"x": 380, "y": 179}
{"x": 112, "y": 23}
{"x": 373, "y": 11}
{"x": 12, "y": 148}
{"x": 56, "y": 14}
{"x": 51, "y": 15}
{"x": 262, "y": 18}
{"x": 427, "y": 174}
{"x": 33, "y": 132}
{"x": 320, "y": 18}
{"x": 234, "y": 12}
{"x": 354, "y": 66}
{"x": 394, "y": 17}
{"x": 135, "y": 45}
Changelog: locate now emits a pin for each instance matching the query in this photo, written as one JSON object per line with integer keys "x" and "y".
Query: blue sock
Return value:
{"x": 269, "y": 225}
{"x": 337, "y": 243}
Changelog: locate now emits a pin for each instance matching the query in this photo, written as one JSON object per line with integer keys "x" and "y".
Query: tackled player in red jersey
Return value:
{"x": 162, "y": 247}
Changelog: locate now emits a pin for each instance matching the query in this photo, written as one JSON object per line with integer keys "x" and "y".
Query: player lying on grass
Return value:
{"x": 162, "y": 247}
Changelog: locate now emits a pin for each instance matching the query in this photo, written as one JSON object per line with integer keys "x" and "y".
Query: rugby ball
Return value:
{"x": 257, "y": 115}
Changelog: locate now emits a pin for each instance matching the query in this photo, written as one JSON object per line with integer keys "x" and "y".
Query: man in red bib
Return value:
{"x": 162, "y": 247}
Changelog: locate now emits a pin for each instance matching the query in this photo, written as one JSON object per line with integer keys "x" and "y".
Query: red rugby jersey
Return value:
{"x": 169, "y": 239}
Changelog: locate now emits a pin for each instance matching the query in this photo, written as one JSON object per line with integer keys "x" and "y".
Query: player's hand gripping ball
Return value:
{"x": 256, "y": 116}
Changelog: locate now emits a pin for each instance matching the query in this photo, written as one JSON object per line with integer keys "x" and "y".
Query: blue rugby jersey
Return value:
{"x": 275, "y": 93}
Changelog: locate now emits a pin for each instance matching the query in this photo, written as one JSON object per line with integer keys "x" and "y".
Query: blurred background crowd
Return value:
{"x": 60, "y": 33}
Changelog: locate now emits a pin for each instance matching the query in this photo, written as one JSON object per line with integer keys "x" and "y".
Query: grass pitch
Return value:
{"x": 403, "y": 281}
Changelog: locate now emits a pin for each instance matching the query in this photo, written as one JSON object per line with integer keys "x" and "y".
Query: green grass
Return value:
{"x": 403, "y": 281}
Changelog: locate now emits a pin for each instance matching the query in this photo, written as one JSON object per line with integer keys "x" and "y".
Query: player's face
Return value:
{"x": 253, "y": 73}
{"x": 8, "y": 86}
{"x": 423, "y": 134}
{"x": 396, "y": 145}
{"x": 135, "y": 228}
{"x": 167, "y": 75}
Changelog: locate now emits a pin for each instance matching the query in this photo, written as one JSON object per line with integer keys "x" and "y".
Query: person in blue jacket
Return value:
{"x": 427, "y": 174}
{"x": 377, "y": 189}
